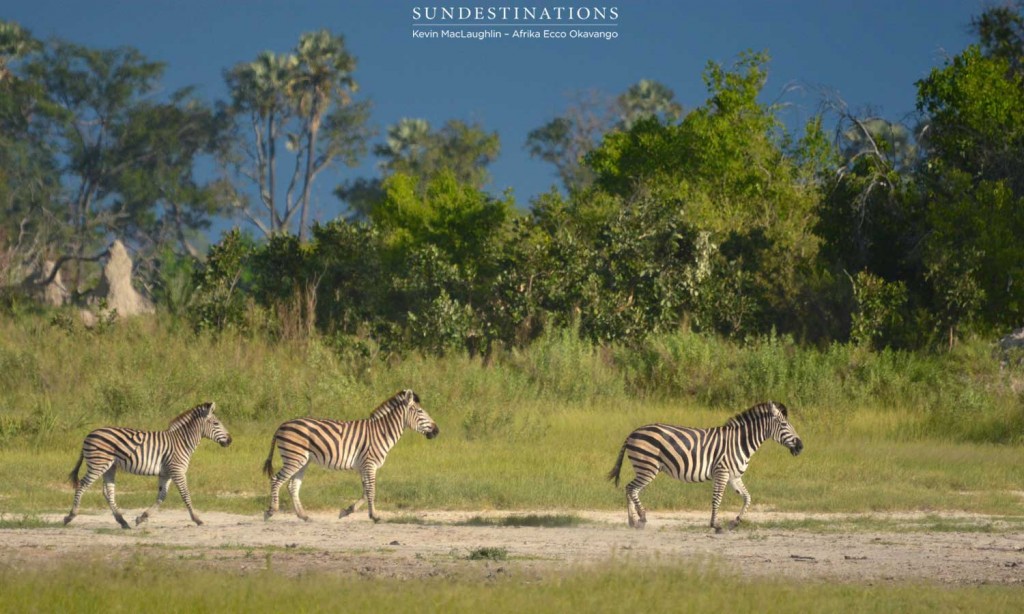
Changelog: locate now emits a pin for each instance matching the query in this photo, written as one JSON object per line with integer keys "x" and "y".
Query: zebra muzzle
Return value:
{"x": 434, "y": 432}
{"x": 225, "y": 443}
{"x": 798, "y": 447}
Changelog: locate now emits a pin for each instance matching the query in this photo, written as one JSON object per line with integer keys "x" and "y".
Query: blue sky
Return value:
{"x": 869, "y": 52}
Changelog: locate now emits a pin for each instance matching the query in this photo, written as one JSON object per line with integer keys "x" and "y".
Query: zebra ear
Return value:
{"x": 782, "y": 409}
{"x": 410, "y": 396}
{"x": 206, "y": 409}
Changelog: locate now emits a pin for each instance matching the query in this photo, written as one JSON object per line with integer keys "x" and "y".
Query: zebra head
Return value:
{"x": 417, "y": 418}
{"x": 782, "y": 431}
{"x": 213, "y": 428}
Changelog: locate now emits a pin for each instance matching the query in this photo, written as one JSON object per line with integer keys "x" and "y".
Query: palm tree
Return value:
{"x": 15, "y": 42}
{"x": 647, "y": 98}
{"x": 261, "y": 88}
{"x": 323, "y": 76}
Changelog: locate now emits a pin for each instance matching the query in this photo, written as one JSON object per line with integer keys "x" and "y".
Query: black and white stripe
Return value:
{"x": 720, "y": 454}
{"x": 161, "y": 453}
{"x": 358, "y": 444}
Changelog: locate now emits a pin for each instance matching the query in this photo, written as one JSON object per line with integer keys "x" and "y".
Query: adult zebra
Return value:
{"x": 688, "y": 454}
{"x": 161, "y": 453}
{"x": 357, "y": 444}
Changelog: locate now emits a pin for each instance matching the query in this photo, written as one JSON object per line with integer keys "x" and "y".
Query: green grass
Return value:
{"x": 405, "y": 519}
{"x": 531, "y": 431}
{"x": 170, "y": 586}
{"x": 488, "y": 553}
{"x": 525, "y": 520}
{"x": 25, "y": 521}
{"x": 561, "y": 469}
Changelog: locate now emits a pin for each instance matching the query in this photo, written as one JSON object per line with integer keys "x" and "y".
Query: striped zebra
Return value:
{"x": 720, "y": 454}
{"x": 161, "y": 453}
{"x": 357, "y": 444}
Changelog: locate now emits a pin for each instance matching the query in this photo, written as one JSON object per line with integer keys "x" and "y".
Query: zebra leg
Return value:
{"x": 161, "y": 494}
{"x": 642, "y": 479}
{"x": 275, "y": 494}
{"x": 182, "y": 484}
{"x": 721, "y": 478}
{"x": 630, "y": 512}
{"x": 283, "y": 475}
{"x": 737, "y": 485}
{"x": 90, "y": 476}
{"x": 108, "y": 492}
{"x": 293, "y": 490}
{"x": 369, "y": 474}
{"x": 345, "y": 511}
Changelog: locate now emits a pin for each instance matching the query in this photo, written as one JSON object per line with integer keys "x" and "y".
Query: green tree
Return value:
{"x": 222, "y": 283}
{"x": 165, "y": 204}
{"x": 464, "y": 150}
{"x": 567, "y": 139}
{"x": 727, "y": 167}
{"x": 91, "y": 95}
{"x": 29, "y": 179}
{"x": 456, "y": 217}
{"x": 974, "y": 261}
{"x": 441, "y": 244}
{"x": 975, "y": 116}
{"x": 15, "y": 43}
{"x": 871, "y": 213}
{"x": 412, "y": 148}
{"x": 1000, "y": 31}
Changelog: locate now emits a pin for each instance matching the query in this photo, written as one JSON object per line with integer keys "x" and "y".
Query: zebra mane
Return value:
{"x": 400, "y": 400}
{"x": 755, "y": 412}
{"x": 189, "y": 414}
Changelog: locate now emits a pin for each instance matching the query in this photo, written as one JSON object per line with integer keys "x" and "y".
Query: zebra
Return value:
{"x": 357, "y": 444}
{"x": 720, "y": 454}
{"x": 165, "y": 454}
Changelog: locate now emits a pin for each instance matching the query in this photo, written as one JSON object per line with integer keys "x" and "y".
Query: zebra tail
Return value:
{"x": 268, "y": 467}
{"x": 613, "y": 475}
{"x": 73, "y": 476}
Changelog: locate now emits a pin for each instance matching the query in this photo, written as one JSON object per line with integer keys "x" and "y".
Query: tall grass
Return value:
{"x": 965, "y": 395}
{"x": 533, "y": 429}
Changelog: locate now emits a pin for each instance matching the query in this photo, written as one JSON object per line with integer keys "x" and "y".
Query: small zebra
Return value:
{"x": 357, "y": 444}
{"x": 688, "y": 454}
{"x": 161, "y": 453}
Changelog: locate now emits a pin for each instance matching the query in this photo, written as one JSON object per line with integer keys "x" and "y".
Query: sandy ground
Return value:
{"x": 982, "y": 550}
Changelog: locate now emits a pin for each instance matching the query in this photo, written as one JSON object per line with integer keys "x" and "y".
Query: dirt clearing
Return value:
{"x": 941, "y": 548}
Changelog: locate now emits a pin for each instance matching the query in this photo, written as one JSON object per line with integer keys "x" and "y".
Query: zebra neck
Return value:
{"x": 750, "y": 437}
{"x": 389, "y": 428}
{"x": 190, "y": 436}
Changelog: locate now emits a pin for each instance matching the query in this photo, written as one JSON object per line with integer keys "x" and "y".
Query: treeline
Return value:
{"x": 714, "y": 219}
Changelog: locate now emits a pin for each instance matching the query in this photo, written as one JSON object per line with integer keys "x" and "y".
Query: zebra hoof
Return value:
{"x": 68, "y": 519}
{"x": 198, "y": 522}
{"x": 734, "y": 524}
{"x": 640, "y": 524}
{"x": 141, "y": 519}
{"x": 266, "y": 515}
{"x": 345, "y": 512}
{"x": 124, "y": 525}
{"x": 375, "y": 519}
{"x": 718, "y": 530}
